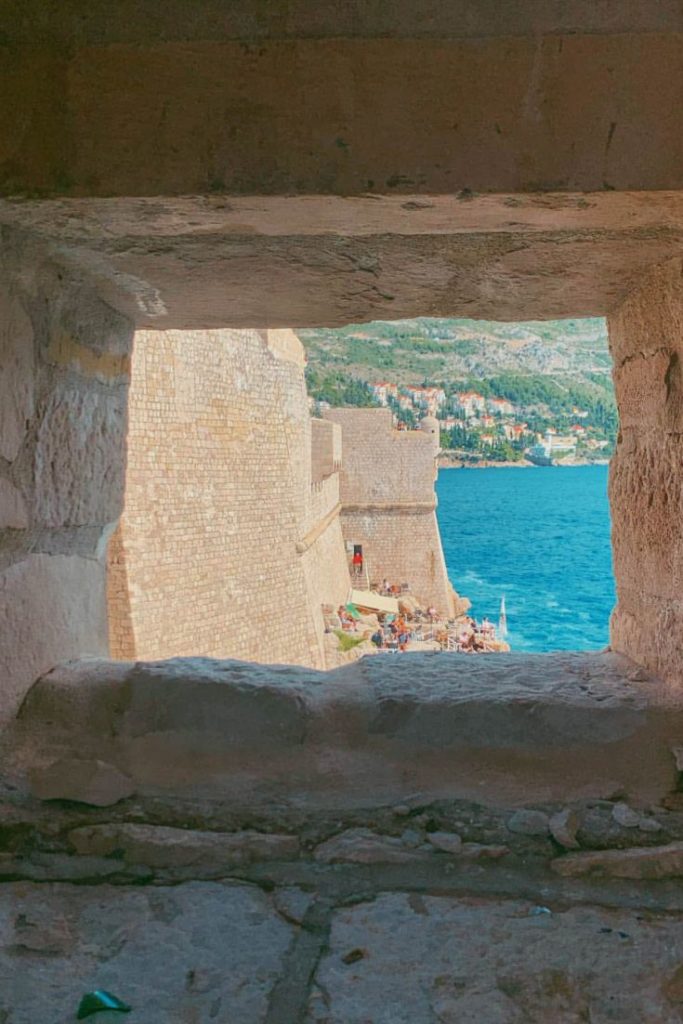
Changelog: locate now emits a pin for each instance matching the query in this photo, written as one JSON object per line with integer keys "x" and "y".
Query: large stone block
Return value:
{"x": 646, "y": 495}
{"x": 79, "y": 458}
{"x": 650, "y": 318}
{"x": 421, "y": 959}
{"x": 649, "y": 629}
{"x": 164, "y": 847}
{"x": 13, "y": 514}
{"x": 646, "y": 477}
{"x": 16, "y": 374}
{"x": 504, "y": 730}
{"x": 194, "y": 952}
{"x": 51, "y": 609}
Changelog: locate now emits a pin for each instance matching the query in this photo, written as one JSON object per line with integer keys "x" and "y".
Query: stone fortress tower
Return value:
{"x": 389, "y": 504}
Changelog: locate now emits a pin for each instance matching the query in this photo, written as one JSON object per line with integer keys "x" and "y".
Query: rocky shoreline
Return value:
{"x": 446, "y": 462}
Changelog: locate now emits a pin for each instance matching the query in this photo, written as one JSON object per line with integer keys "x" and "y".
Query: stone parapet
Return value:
{"x": 501, "y": 730}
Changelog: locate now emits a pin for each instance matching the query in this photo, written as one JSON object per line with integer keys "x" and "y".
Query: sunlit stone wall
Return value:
{"x": 646, "y": 477}
{"x": 226, "y": 548}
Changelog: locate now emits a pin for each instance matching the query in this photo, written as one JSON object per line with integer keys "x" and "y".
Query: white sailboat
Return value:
{"x": 502, "y": 620}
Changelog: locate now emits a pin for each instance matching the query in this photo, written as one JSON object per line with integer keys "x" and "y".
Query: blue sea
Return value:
{"x": 539, "y": 536}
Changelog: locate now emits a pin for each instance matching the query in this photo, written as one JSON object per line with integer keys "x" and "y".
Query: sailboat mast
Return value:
{"x": 502, "y": 620}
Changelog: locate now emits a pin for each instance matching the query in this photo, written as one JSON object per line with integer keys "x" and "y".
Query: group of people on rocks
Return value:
{"x": 393, "y": 634}
{"x": 415, "y": 625}
{"x": 467, "y": 637}
{"x": 474, "y": 637}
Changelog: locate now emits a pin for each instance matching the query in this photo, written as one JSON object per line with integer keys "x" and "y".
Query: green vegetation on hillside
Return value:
{"x": 555, "y": 374}
{"x": 337, "y": 388}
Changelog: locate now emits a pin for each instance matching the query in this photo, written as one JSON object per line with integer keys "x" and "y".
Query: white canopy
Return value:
{"x": 368, "y": 599}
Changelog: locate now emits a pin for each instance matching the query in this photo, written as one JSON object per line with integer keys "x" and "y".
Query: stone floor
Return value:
{"x": 231, "y": 953}
{"x": 440, "y": 841}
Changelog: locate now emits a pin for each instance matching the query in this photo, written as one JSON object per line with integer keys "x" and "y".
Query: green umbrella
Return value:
{"x": 352, "y": 610}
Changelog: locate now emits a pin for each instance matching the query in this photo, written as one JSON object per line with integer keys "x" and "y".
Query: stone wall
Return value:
{"x": 326, "y": 448}
{"x": 340, "y": 98}
{"x": 226, "y": 548}
{"x": 394, "y": 841}
{"x": 388, "y": 502}
{"x": 646, "y": 493}
{"x": 64, "y": 359}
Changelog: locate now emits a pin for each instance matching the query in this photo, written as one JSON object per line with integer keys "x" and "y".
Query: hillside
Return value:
{"x": 410, "y": 351}
{"x": 555, "y": 375}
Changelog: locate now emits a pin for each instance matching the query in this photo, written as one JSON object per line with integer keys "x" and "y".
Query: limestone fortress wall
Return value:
{"x": 238, "y": 505}
{"x": 388, "y": 500}
{"x": 222, "y": 522}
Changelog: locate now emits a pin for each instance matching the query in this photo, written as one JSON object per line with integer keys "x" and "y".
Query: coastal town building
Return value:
{"x": 500, "y": 407}
{"x": 383, "y": 390}
{"x": 427, "y": 399}
{"x": 515, "y": 431}
{"x": 469, "y": 403}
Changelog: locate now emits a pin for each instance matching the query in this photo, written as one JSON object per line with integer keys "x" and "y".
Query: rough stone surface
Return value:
{"x": 52, "y": 608}
{"x": 159, "y": 846}
{"x": 626, "y": 816}
{"x": 483, "y": 851}
{"x": 529, "y": 823}
{"x": 449, "y": 842}
{"x": 466, "y": 961}
{"x": 79, "y": 466}
{"x": 90, "y": 782}
{"x": 564, "y": 826}
{"x": 17, "y": 383}
{"x": 62, "y": 419}
{"x": 521, "y": 97}
{"x": 380, "y": 730}
{"x": 292, "y": 903}
{"x": 195, "y": 952}
{"x": 13, "y": 515}
{"x": 645, "y": 490}
{"x": 196, "y": 263}
{"x": 650, "y": 862}
{"x": 363, "y": 846}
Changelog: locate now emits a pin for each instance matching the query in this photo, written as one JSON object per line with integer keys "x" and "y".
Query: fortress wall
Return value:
{"x": 402, "y": 545}
{"x": 388, "y": 501}
{"x": 218, "y": 486}
{"x": 64, "y": 359}
{"x": 326, "y": 573}
{"x": 326, "y": 448}
{"x": 323, "y": 499}
{"x": 646, "y": 473}
{"x": 379, "y": 462}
